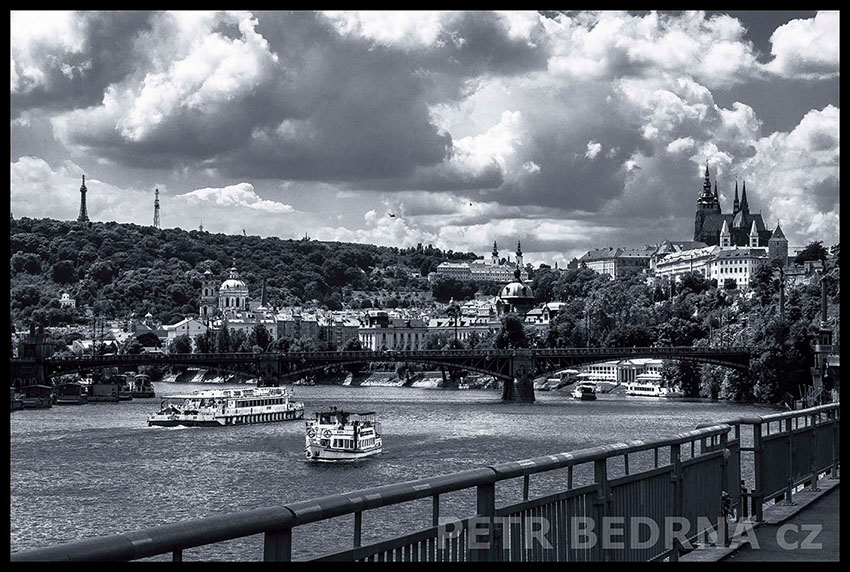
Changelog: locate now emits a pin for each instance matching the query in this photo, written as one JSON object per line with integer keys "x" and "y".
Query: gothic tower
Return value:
{"x": 84, "y": 215}
{"x": 156, "y": 210}
{"x": 736, "y": 205}
{"x": 707, "y": 204}
{"x": 777, "y": 246}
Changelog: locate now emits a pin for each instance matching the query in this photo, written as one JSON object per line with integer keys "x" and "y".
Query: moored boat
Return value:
{"x": 37, "y": 396}
{"x": 125, "y": 390}
{"x": 227, "y": 407}
{"x": 70, "y": 394}
{"x": 337, "y": 435}
{"x": 584, "y": 392}
{"x": 103, "y": 392}
{"x": 142, "y": 387}
{"x": 17, "y": 402}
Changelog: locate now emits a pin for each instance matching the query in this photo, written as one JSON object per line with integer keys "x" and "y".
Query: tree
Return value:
{"x": 149, "y": 340}
{"x": 512, "y": 333}
{"x": 182, "y": 344}
{"x": 683, "y": 374}
{"x": 222, "y": 340}
{"x": 205, "y": 343}
{"x": 353, "y": 345}
{"x": 813, "y": 251}
{"x": 64, "y": 272}
{"x": 730, "y": 284}
{"x": 260, "y": 337}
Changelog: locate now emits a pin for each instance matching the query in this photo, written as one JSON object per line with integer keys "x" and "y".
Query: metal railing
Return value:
{"x": 789, "y": 450}
{"x": 682, "y": 476}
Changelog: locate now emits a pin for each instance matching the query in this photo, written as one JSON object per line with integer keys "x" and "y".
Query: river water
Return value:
{"x": 82, "y": 471}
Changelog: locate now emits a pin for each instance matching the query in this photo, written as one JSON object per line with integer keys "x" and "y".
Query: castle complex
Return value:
{"x": 738, "y": 228}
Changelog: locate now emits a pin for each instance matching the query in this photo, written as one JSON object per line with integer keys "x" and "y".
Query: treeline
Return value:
{"x": 121, "y": 269}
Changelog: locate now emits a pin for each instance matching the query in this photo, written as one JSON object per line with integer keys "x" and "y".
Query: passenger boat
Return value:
{"x": 227, "y": 407}
{"x": 649, "y": 385}
{"x": 142, "y": 387}
{"x": 337, "y": 435}
{"x": 584, "y": 392}
{"x": 70, "y": 394}
{"x": 37, "y": 396}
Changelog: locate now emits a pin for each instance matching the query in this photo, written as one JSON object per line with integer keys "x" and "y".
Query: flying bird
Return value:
{"x": 392, "y": 215}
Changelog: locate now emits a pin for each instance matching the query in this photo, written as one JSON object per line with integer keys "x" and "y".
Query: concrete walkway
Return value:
{"x": 794, "y": 538}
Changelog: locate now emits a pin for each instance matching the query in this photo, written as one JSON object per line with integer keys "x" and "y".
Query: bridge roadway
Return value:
{"x": 515, "y": 367}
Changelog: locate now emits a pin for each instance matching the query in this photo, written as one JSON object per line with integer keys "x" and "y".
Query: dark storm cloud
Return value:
{"x": 107, "y": 58}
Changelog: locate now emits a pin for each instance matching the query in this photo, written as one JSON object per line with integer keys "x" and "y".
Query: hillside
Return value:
{"x": 122, "y": 269}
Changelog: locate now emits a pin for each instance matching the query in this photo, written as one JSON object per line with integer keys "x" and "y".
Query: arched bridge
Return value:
{"x": 516, "y": 367}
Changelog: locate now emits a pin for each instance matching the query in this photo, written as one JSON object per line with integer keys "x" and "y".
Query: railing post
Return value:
{"x": 277, "y": 545}
{"x": 723, "y": 531}
{"x": 600, "y": 473}
{"x": 815, "y": 429}
{"x": 833, "y": 473}
{"x": 486, "y": 504}
{"x": 757, "y": 494}
{"x": 789, "y": 430}
{"x": 676, "y": 479}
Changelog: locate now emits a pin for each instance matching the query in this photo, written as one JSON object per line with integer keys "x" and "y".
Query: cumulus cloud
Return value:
{"x": 797, "y": 175}
{"x": 238, "y": 195}
{"x": 593, "y": 149}
{"x": 806, "y": 48}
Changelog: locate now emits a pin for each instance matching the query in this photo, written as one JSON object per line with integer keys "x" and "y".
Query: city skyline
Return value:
{"x": 566, "y": 131}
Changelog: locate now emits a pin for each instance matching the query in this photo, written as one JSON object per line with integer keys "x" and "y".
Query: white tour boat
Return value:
{"x": 584, "y": 392}
{"x": 337, "y": 435}
{"x": 227, "y": 407}
{"x": 649, "y": 385}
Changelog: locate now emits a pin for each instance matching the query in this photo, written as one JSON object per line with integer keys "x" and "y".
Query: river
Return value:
{"x": 91, "y": 470}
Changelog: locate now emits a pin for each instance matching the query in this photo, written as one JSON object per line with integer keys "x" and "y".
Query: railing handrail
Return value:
{"x": 759, "y": 419}
{"x": 178, "y": 536}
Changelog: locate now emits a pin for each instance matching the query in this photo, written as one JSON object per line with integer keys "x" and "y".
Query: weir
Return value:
{"x": 692, "y": 478}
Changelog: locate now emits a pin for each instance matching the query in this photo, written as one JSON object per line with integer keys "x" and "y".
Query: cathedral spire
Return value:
{"x": 706, "y": 185}
{"x": 745, "y": 207}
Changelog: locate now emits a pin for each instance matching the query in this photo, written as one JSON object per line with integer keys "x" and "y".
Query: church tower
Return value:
{"x": 84, "y": 215}
{"x": 725, "y": 235}
{"x": 707, "y": 204}
{"x": 209, "y": 297}
{"x": 495, "y": 254}
{"x": 754, "y": 235}
{"x": 518, "y": 254}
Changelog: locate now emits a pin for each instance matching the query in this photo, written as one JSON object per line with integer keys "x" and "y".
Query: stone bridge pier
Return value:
{"x": 269, "y": 372}
{"x": 520, "y": 387}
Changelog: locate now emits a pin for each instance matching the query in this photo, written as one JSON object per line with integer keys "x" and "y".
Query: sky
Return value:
{"x": 565, "y": 130}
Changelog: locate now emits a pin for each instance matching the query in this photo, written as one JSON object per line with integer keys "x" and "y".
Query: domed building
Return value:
{"x": 515, "y": 297}
{"x": 233, "y": 293}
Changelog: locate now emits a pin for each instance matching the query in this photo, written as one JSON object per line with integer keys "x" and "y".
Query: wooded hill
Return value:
{"x": 121, "y": 269}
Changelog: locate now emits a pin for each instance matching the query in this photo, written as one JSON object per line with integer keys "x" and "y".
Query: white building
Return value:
{"x": 675, "y": 264}
{"x": 381, "y": 332}
{"x": 739, "y": 263}
{"x": 65, "y": 301}
{"x": 189, "y": 326}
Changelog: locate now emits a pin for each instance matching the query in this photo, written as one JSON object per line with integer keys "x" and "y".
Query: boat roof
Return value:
{"x": 342, "y": 411}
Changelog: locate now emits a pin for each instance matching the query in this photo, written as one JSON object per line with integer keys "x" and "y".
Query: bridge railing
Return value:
{"x": 788, "y": 450}
{"x": 620, "y": 481}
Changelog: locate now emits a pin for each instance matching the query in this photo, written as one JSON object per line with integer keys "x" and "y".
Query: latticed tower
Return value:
{"x": 156, "y": 210}
{"x": 84, "y": 214}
